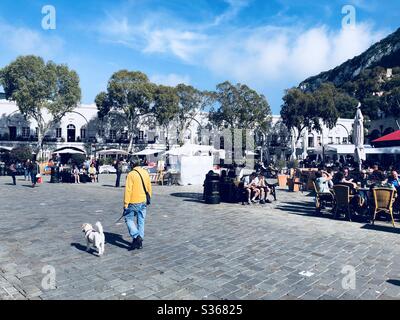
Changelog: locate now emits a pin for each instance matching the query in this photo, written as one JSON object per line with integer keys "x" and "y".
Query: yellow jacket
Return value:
{"x": 134, "y": 192}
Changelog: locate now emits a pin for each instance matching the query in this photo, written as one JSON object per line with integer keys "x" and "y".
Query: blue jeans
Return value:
{"x": 138, "y": 211}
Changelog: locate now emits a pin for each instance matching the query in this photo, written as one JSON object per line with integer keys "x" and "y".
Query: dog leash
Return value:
{"x": 123, "y": 215}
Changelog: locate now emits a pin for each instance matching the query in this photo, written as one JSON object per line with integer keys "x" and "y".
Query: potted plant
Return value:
{"x": 282, "y": 177}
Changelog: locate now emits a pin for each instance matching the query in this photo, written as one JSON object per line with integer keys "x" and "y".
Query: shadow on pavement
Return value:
{"x": 394, "y": 282}
{"x": 112, "y": 186}
{"x": 190, "y": 196}
{"x": 116, "y": 240}
{"x": 81, "y": 247}
{"x": 388, "y": 228}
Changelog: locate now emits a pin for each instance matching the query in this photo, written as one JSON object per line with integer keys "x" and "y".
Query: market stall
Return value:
{"x": 192, "y": 162}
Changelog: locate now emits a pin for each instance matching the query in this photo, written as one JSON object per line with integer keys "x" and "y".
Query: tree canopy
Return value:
{"x": 303, "y": 110}
{"x": 130, "y": 92}
{"x": 43, "y": 91}
{"x": 239, "y": 107}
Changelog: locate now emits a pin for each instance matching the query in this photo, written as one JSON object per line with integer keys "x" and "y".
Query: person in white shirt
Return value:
{"x": 251, "y": 186}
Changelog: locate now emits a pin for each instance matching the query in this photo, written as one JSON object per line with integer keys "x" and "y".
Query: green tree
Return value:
{"x": 44, "y": 92}
{"x": 191, "y": 103}
{"x": 20, "y": 154}
{"x": 302, "y": 110}
{"x": 131, "y": 93}
{"x": 239, "y": 107}
{"x": 166, "y": 106}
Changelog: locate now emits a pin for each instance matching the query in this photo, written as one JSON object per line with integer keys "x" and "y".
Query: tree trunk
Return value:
{"x": 130, "y": 147}
{"x": 39, "y": 145}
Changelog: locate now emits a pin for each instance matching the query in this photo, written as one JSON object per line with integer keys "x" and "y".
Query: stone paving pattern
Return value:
{"x": 191, "y": 250}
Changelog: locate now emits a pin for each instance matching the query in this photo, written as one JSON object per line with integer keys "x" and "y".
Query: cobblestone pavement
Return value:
{"x": 191, "y": 250}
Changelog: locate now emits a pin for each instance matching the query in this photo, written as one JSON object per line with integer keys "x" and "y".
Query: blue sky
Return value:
{"x": 270, "y": 45}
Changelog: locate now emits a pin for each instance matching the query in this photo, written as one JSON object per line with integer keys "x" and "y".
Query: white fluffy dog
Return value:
{"x": 94, "y": 237}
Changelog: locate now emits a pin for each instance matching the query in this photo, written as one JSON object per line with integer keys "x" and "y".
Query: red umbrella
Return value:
{"x": 391, "y": 138}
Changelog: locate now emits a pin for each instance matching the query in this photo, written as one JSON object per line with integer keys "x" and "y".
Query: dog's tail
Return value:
{"x": 99, "y": 227}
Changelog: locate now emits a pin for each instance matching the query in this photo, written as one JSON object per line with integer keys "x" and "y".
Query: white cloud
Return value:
{"x": 171, "y": 79}
{"x": 235, "y": 6}
{"x": 276, "y": 54}
{"x": 24, "y": 41}
{"x": 257, "y": 55}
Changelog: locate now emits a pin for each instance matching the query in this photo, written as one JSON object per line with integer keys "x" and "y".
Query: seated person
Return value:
{"x": 342, "y": 181}
{"x": 250, "y": 186}
{"x": 264, "y": 189}
{"x": 394, "y": 180}
{"x": 83, "y": 175}
{"x": 322, "y": 179}
{"x": 363, "y": 178}
{"x": 377, "y": 177}
{"x": 92, "y": 172}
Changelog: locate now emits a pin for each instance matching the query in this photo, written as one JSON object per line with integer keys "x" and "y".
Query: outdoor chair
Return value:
{"x": 342, "y": 200}
{"x": 383, "y": 201}
{"x": 322, "y": 198}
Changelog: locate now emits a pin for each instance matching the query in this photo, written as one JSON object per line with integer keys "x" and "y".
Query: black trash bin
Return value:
{"x": 55, "y": 175}
{"x": 211, "y": 188}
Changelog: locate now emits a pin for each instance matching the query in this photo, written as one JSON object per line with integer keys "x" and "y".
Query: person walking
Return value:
{"x": 33, "y": 168}
{"x": 118, "y": 168}
{"x": 13, "y": 172}
{"x": 27, "y": 174}
{"x": 137, "y": 196}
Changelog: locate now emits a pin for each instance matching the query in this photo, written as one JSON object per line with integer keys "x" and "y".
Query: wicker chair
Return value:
{"x": 342, "y": 199}
{"x": 383, "y": 200}
{"x": 322, "y": 198}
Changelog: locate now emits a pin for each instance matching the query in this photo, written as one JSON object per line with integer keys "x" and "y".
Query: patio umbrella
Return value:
{"x": 358, "y": 137}
{"x": 293, "y": 146}
{"x": 305, "y": 145}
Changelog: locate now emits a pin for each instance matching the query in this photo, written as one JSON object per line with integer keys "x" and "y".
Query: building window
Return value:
{"x": 124, "y": 135}
{"x": 26, "y": 132}
{"x": 101, "y": 132}
{"x": 36, "y": 132}
{"x": 337, "y": 140}
{"x": 319, "y": 141}
{"x": 58, "y": 132}
{"x": 113, "y": 134}
{"x": 330, "y": 140}
{"x": 345, "y": 140}
{"x": 311, "y": 142}
{"x": 141, "y": 135}
{"x": 83, "y": 133}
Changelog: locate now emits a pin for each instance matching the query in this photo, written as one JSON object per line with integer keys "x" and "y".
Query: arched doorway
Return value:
{"x": 71, "y": 133}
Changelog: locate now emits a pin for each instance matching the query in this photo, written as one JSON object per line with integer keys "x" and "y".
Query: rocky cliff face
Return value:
{"x": 385, "y": 53}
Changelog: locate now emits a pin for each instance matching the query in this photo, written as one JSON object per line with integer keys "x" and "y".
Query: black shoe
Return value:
{"x": 137, "y": 243}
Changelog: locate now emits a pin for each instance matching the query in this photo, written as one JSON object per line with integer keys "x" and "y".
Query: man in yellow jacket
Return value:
{"x": 135, "y": 203}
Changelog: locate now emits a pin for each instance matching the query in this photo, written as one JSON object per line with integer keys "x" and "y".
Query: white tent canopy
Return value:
{"x": 192, "y": 150}
{"x": 112, "y": 152}
{"x": 147, "y": 152}
{"x": 5, "y": 148}
{"x": 68, "y": 151}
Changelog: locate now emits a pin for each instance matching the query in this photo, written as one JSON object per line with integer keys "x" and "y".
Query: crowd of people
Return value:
{"x": 360, "y": 182}
{"x": 30, "y": 168}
